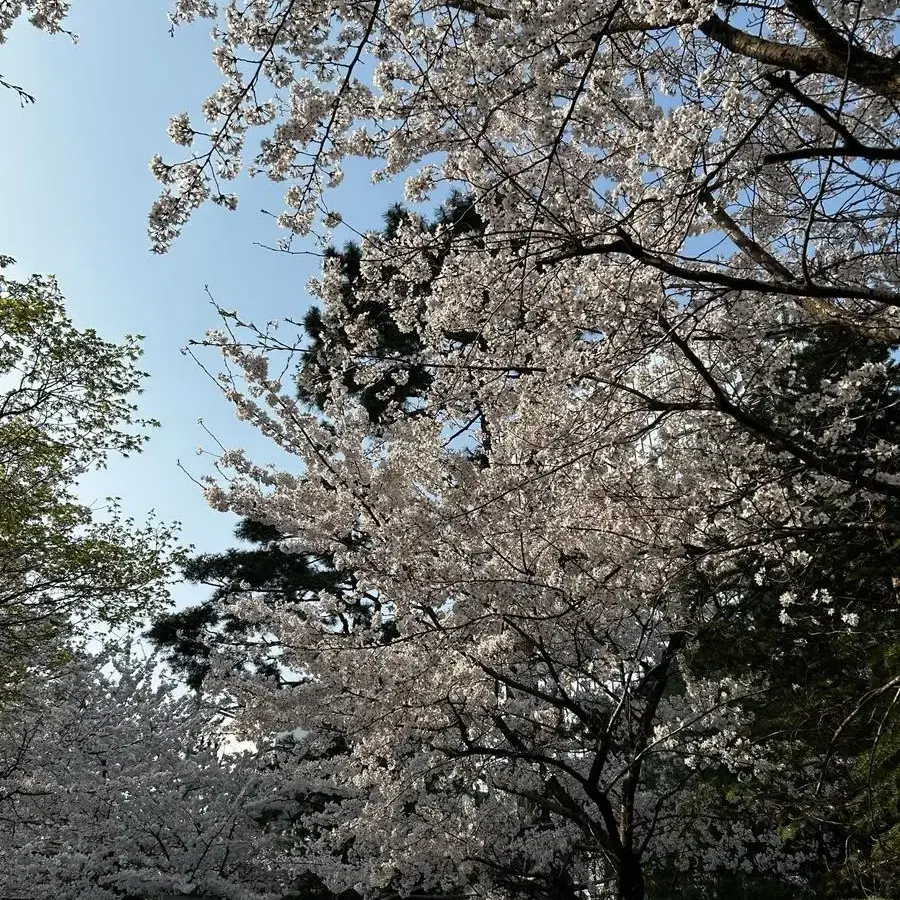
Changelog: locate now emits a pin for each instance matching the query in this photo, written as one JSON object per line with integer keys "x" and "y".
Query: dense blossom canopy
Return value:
{"x": 636, "y": 420}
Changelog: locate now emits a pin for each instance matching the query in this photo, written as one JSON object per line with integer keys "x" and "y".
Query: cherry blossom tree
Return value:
{"x": 113, "y": 788}
{"x": 188, "y": 636}
{"x": 680, "y": 201}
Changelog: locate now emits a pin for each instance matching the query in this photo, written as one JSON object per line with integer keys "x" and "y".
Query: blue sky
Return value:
{"x": 75, "y": 190}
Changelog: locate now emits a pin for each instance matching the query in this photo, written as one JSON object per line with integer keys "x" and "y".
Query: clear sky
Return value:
{"x": 75, "y": 190}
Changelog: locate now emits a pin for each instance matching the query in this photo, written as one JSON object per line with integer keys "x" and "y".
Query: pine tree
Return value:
{"x": 189, "y": 637}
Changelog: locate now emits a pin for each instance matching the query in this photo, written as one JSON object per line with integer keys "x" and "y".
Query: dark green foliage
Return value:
{"x": 819, "y": 624}
{"x": 396, "y": 349}
{"x": 188, "y": 637}
{"x": 184, "y": 638}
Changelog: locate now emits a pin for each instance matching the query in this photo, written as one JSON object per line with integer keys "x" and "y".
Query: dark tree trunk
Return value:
{"x": 630, "y": 881}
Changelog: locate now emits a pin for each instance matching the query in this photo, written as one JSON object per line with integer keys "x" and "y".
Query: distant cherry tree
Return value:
{"x": 112, "y": 787}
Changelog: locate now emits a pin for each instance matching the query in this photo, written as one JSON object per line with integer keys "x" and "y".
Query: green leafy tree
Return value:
{"x": 66, "y": 404}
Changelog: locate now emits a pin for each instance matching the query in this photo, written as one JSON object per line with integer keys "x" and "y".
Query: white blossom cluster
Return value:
{"x": 47, "y": 15}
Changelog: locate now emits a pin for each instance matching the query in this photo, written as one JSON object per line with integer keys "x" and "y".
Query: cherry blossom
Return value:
{"x": 623, "y": 436}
